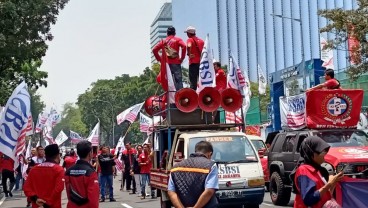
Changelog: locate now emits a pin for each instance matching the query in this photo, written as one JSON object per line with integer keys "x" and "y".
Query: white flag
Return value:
{"x": 94, "y": 137}
{"x": 61, "y": 138}
{"x": 28, "y": 155}
{"x": 54, "y": 117}
{"x": 129, "y": 114}
{"x": 119, "y": 144}
{"x": 326, "y": 55}
{"x": 41, "y": 121}
{"x": 14, "y": 123}
{"x": 207, "y": 73}
{"x": 171, "y": 85}
{"x": 145, "y": 123}
{"x": 47, "y": 134}
{"x": 74, "y": 136}
{"x": 232, "y": 75}
{"x": 262, "y": 81}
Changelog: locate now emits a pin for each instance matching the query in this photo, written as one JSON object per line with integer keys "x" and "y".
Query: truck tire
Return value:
{"x": 280, "y": 195}
{"x": 165, "y": 204}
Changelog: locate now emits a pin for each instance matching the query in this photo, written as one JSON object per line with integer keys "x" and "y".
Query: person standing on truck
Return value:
{"x": 220, "y": 76}
{"x": 194, "y": 181}
{"x": 194, "y": 51}
{"x": 172, "y": 46}
{"x": 313, "y": 184}
{"x": 330, "y": 83}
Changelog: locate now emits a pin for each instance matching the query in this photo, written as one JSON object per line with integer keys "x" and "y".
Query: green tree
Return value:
{"x": 345, "y": 24}
{"x": 37, "y": 105}
{"x": 24, "y": 32}
{"x": 264, "y": 99}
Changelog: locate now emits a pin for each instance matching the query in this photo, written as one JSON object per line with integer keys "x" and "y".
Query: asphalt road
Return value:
{"x": 123, "y": 200}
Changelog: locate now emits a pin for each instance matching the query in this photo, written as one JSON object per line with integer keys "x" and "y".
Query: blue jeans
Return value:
{"x": 177, "y": 75}
{"x": 106, "y": 179}
{"x": 18, "y": 178}
{"x": 145, "y": 180}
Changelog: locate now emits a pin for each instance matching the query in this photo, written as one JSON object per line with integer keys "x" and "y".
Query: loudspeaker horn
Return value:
{"x": 231, "y": 100}
{"x": 209, "y": 99}
{"x": 153, "y": 105}
{"x": 186, "y": 100}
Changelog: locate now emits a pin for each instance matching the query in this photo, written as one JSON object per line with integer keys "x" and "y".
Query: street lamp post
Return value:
{"x": 302, "y": 44}
{"x": 112, "y": 120}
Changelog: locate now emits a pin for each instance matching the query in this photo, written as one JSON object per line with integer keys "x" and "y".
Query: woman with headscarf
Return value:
{"x": 313, "y": 182}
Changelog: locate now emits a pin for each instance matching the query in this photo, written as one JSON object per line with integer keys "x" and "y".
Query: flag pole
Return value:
{"x": 259, "y": 97}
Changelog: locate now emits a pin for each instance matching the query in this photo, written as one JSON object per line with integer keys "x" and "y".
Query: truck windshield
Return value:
{"x": 344, "y": 138}
{"x": 228, "y": 149}
{"x": 258, "y": 144}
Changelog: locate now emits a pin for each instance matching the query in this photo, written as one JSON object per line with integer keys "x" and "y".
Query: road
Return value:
{"x": 123, "y": 200}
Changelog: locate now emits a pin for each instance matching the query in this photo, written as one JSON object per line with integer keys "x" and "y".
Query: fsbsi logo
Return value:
{"x": 336, "y": 108}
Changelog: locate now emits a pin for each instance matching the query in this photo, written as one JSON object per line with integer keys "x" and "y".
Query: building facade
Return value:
{"x": 159, "y": 26}
{"x": 248, "y": 29}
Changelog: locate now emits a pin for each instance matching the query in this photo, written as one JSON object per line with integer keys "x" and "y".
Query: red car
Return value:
{"x": 261, "y": 147}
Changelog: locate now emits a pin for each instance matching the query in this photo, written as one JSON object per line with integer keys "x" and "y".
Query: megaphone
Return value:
{"x": 209, "y": 99}
{"x": 186, "y": 100}
{"x": 153, "y": 105}
{"x": 231, "y": 100}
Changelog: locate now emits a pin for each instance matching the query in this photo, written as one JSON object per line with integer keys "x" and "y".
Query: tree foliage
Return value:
{"x": 264, "y": 99}
{"x": 37, "y": 105}
{"x": 353, "y": 24}
{"x": 24, "y": 32}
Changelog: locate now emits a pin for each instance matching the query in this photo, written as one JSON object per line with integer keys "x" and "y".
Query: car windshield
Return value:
{"x": 227, "y": 149}
{"x": 258, "y": 144}
{"x": 347, "y": 138}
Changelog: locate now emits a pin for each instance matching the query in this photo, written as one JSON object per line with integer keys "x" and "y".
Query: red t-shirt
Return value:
{"x": 175, "y": 43}
{"x": 69, "y": 161}
{"x": 220, "y": 80}
{"x": 332, "y": 84}
{"x": 144, "y": 158}
{"x": 195, "y": 47}
{"x": 6, "y": 163}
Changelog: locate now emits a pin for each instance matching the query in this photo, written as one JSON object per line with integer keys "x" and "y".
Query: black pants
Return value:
{"x": 129, "y": 180}
{"x": 193, "y": 75}
{"x": 7, "y": 174}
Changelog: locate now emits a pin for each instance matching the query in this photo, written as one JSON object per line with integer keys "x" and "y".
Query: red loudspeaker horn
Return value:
{"x": 186, "y": 100}
{"x": 209, "y": 99}
{"x": 231, "y": 100}
{"x": 152, "y": 105}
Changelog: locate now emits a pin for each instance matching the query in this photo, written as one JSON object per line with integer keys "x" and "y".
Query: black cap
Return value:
{"x": 171, "y": 29}
{"x": 52, "y": 150}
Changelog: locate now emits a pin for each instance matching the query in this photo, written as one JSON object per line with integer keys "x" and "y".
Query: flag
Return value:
{"x": 326, "y": 55}
{"x": 172, "y": 89}
{"x": 61, "y": 138}
{"x": 47, "y": 134}
{"x": 94, "y": 137}
{"x": 14, "y": 123}
{"x": 129, "y": 114}
{"x": 28, "y": 155}
{"x": 119, "y": 144}
{"x": 352, "y": 192}
{"x": 207, "y": 73}
{"x": 119, "y": 164}
{"x": 262, "y": 81}
{"x": 145, "y": 123}
{"x": 29, "y": 126}
{"x": 54, "y": 117}
{"x": 74, "y": 136}
{"x": 353, "y": 47}
{"x": 41, "y": 121}
{"x": 162, "y": 75}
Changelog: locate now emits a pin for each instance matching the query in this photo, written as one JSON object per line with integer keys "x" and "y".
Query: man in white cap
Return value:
{"x": 194, "y": 50}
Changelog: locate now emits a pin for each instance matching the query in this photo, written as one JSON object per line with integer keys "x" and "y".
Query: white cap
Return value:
{"x": 190, "y": 30}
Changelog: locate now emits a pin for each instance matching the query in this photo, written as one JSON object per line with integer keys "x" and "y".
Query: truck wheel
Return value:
{"x": 280, "y": 195}
{"x": 165, "y": 204}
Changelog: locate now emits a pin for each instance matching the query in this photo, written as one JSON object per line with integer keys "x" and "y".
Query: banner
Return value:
{"x": 333, "y": 108}
{"x": 352, "y": 192}
{"x": 253, "y": 130}
{"x": 207, "y": 75}
{"x": 74, "y": 136}
{"x": 262, "y": 81}
{"x": 129, "y": 114}
{"x": 61, "y": 138}
{"x": 94, "y": 137}
{"x": 326, "y": 55}
{"x": 292, "y": 112}
{"x": 145, "y": 123}
{"x": 14, "y": 123}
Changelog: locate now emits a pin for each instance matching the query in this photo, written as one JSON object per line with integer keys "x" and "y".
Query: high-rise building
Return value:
{"x": 248, "y": 29}
{"x": 159, "y": 26}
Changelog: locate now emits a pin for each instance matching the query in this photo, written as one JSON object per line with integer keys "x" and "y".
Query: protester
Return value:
{"x": 40, "y": 157}
{"x": 136, "y": 170}
{"x": 330, "y": 83}
{"x": 106, "y": 163}
{"x": 7, "y": 166}
{"x": 172, "y": 46}
{"x": 194, "y": 181}
{"x": 127, "y": 157}
{"x": 312, "y": 188}
{"x": 194, "y": 51}
{"x": 81, "y": 180}
{"x": 70, "y": 160}
{"x": 221, "y": 79}
{"x": 45, "y": 181}
{"x": 31, "y": 164}
{"x": 145, "y": 166}
{"x": 18, "y": 175}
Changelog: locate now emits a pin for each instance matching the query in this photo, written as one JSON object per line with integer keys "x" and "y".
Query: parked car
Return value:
{"x": 349, "y": 151}
{"x": 262, "y": 149}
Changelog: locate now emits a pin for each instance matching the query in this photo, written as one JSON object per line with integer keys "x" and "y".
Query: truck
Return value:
{"x": 241, "y": 179}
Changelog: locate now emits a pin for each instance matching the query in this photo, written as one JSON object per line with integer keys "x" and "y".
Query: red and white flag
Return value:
{"x": 47, "y": 135}
{"x": 94, "y": 137}
{"x": 30, "y": 126}
{"x": 14, "y": 123}
{"x": 145, "y": 123}
{"x": 129, "y": 114}
{"x": 28, "y": 155}
{"x": 41, "y": 121}
{"x": 74, "y": 136}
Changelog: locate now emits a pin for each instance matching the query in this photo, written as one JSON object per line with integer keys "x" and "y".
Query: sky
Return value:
{"x": 93, "y": 40}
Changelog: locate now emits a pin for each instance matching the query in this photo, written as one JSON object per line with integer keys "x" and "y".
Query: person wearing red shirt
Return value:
{"x": 7, "y": 166}
{"x": 194, "y": 51}
{"x": 145, "y": 164}
{"x": 221, "y": 80}
{"x": 45, "y": 181}
{"x": 127, "y": 157}
{"x": 330, "y": 83}
{"x": 70, "y": 160}
{"x": 174, "y": 61}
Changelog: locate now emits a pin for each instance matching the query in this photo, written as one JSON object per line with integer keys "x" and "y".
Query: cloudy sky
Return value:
{"x": 96, "y": 39}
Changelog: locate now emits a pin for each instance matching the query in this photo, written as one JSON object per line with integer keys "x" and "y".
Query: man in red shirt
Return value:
{"x": 145, "y": 164}
{"x": 45, "y": 181}
{"x": 194, "y": 51}
{"x": 220, "y": 76}
{"x": 70, "y": 160}
{"x": 172, "y": 46}
{"x": 7, "y": 166}
{"x": 330, "y": 83}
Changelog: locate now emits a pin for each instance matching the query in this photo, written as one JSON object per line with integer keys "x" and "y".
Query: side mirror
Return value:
{"x": 178, "y": 156}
